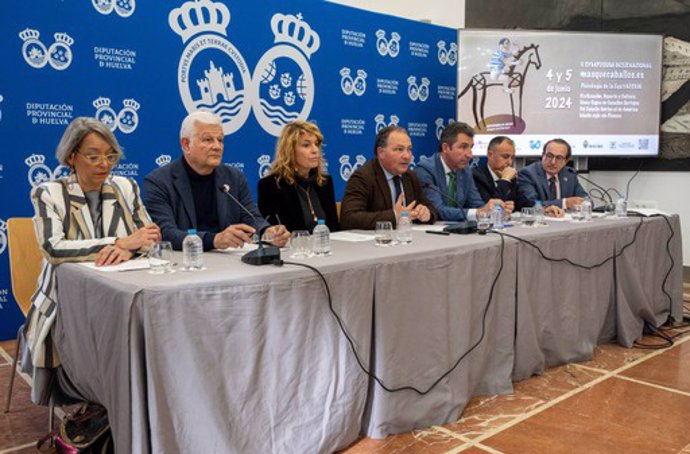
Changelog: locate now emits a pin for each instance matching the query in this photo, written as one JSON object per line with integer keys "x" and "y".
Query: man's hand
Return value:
{"x": 554, "y": 211}
{"x": 490, "y": 206}
{"x": 234, "y": 236}
{"x": 112, "y": 255}
{"x": 142, "y": 238}
{"x": 572, "y": 202}
{"x": 508, "y": 173}
{"x": 508, "y": 208}
{"x": 399, "y": 208}
{"x": 420, "y": 213}
{"x": 278, "y": 235}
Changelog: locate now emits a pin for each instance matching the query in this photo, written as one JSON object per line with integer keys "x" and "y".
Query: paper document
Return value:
{"x": 647, "y": 211}
{"x": 130, "y": 265}
{"x": 351, "y": 236}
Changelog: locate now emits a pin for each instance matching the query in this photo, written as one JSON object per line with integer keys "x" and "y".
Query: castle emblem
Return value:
{"x": 418, "y": 92}
{"x": 3, "y": 235}
{"x": 264, "y": 162}
{"x": 390, "y": 47}
{"x": 212, "y": 75}
{"x": 58, "y": 55}
{"x": 347, "y": 168}
{"x": 295, "y": 43}
{"x": 123, "y": 8}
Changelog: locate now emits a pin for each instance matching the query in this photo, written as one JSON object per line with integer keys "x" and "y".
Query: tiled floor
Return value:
{"x": 623, "y": 401}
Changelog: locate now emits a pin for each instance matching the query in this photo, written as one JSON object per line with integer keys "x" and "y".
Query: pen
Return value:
{"x": 437, "y": 232}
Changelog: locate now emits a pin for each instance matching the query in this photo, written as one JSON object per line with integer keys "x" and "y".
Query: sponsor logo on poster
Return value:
{"x": 348, "y": 85}
{"x": 126, "y": 120}
{"x": 347, "y": 168}
{"x": 123, "y": 8}
{"x": 387, "y": 47}
{"x": 36, "y": 55}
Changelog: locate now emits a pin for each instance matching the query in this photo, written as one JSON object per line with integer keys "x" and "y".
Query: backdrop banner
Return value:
{"x": 140, "y": 67}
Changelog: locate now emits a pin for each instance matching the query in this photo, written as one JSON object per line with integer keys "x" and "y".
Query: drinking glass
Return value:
{"x": 483, "y": 222}
{"x": 578, "y": 213}
{"x": 300, "y": 244}
{"x": 527, "y": 216}
{"x": 384, "y": 234}
{"x": 161, "y": 258}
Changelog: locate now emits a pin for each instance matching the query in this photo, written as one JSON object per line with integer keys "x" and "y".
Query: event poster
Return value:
{"x": 600, "y": 92}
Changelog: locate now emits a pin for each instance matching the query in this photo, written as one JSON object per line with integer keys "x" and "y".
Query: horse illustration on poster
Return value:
{"x": 510, "y": 80}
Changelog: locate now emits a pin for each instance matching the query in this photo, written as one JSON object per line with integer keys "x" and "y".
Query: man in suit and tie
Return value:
{"x": 447, "y": 178}
{"x": 384, "y": 187}
{"x": 186, "y": 194}
{"x": 496, "y": 178}
{"x": 549, "y": 180}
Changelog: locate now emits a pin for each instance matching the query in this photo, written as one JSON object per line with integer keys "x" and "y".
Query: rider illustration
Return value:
{"x": 502, "y": 61}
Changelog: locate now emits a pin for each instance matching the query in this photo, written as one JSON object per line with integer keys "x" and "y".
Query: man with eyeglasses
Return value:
{"x": 188, "y": 193}
{"x": 447, "y": 180}
{"x": 549, "y": 180}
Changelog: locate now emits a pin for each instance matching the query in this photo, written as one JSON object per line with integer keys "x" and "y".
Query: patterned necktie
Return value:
{"x": 452, "y": 189}
{"x": 398, "y": 188}
{"x": 553, "y": 194}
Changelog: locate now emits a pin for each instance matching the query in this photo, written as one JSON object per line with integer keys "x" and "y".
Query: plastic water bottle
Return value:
{"x": 404, "y": 229}
{"x": 621, "y": 207}
{"x": 586, "y": 209}
{"x": 497, "y": 216}
{"x": 322, "y": 239}
{"x": 538, "y": 213}
{"x": 192, "y": 252}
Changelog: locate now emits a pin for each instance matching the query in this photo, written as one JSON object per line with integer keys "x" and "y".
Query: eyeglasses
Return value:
{"x": 95, "y": 159}
{"x": 552, "y": 157}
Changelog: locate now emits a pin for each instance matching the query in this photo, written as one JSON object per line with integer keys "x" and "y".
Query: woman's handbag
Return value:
{"x": 85, "y": 431}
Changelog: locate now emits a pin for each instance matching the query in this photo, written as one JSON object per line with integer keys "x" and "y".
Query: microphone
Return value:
{"x": 462, "y": 227}
{"x": 261, "y": 255}
{"x": 607, "y": 206}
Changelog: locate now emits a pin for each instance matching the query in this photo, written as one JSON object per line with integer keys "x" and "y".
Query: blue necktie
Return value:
{"x": 398, "y": 188}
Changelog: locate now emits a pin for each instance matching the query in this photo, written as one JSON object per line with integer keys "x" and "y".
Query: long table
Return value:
{"x": 250, "y": 359}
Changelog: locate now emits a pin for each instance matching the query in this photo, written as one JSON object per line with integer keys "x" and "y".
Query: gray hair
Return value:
{"x": 206, "y": 118}
{"x": 452, "y": 131}
{"x": 73, "y": 136}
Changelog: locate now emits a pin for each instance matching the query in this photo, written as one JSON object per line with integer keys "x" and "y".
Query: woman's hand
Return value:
{"x": 112, "y": 255}
{"x": 144, "y": 237}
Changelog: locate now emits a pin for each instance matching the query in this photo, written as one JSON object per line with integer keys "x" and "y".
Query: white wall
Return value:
{"x": 449, "y": 13}
{"x": 671, "y": 190}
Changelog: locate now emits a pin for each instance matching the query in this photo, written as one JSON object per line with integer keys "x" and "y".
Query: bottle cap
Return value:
{"x": 404, "y": 214}
{"x": 191, "y": 231}
{"x": 320, "y": 222}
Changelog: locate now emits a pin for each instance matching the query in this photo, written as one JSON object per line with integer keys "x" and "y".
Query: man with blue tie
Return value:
{"x": 447, "y": 178}
{"x": 549, "y": 180}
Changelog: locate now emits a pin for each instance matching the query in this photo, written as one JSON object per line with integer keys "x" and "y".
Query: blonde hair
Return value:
{"x": 284, "y": 165}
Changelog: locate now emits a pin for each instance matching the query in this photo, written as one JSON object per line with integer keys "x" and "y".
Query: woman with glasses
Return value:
{"x": 89, "y": 216}
{"x": 297, "y": 192}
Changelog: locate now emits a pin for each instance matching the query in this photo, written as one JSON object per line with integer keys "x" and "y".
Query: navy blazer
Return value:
{"x": 484, "y": 181}
{"x": 430, "y": 171}
{"x": 168, "y": 199}
{"x": 283, "y": 200}
{"x": 533, "y": 185}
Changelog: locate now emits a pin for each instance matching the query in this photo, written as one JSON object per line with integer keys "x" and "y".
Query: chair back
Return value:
{"x": 337, "y": 209}
{"x": 25, "y": 260}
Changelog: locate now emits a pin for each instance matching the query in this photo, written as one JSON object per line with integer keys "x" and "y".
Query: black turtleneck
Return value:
{"x": 204, "y": 195}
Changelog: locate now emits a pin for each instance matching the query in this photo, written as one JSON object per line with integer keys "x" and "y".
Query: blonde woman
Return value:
{"x": 297, "y": 190}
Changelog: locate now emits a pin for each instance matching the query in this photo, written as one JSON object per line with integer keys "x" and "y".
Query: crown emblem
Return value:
{"x": 163, "y": 160}
{"x": 395, "y": 36}
{"x": 264, "y": 159}
{"x": 361, "y": 73}
{"x": 345, "y": 72}
{"x": 380, "y": 33}
{"x": 293, "y": 30}
{"x": 379, "y": 118}
{"x": 101, "y": 102}
{"x": 64, "y": 38}
{"x": 439, "y": 122}
{"x": 394, "y": 120}
{"x": 344, "y": 159}
{"x": 441, "y": 44}
{"x": 3, "y": 225}
{"x": 35, "y": 159}
{"x": 131, "y": 103}
{"x": 28, "y": 34}
{"x": 360, "y": 159}
{"x": 199, "y": 16}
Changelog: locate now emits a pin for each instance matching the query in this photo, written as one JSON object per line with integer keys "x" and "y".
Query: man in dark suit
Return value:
{"x": 549, "y": 180}
{"x": 185, "y": 194}
{"x": 495, "y": 179}
{"x": 447, "y": 178}
{"x": 384, "y": 187}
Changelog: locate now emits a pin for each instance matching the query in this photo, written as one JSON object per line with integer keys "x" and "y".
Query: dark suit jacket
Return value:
{"x": 431, "y": 172}
{"x": 168, "y": 199}
{"x": 368, "y": 197}
{"x": 533, "y": 185}
{"x": 284, "y": 201}
{"x": 502, "y": 189}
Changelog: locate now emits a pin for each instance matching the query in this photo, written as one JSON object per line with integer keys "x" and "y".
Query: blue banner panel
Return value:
{"x": 140, "y": 67}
